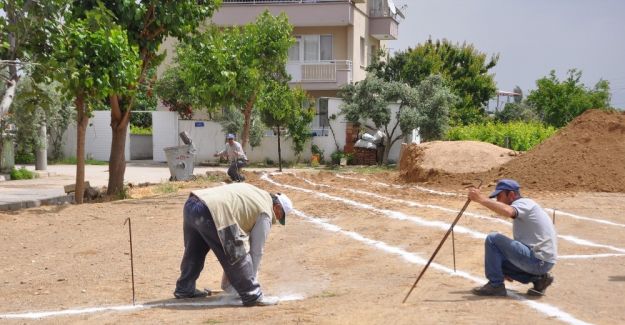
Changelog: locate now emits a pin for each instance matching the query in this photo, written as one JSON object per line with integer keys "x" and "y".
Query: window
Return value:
{"x": 311, "y": 48}
{"x": 321, "y": 123}
{"x": 326, "y": 47}
{"x": 294, "y": 50}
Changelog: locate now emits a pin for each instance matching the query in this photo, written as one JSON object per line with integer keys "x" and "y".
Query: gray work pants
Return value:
{"x": 234, "y": 171}
{"x": 200, "y": 236}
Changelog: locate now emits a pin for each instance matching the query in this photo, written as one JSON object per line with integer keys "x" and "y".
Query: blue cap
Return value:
{"x": 505, "y": 184}
{"x": 230, "y": 136}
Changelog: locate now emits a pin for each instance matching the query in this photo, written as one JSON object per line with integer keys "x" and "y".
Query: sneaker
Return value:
{"x": 264, "y": 301}
{"x": 540, "y": 285}
{"x": 196, "y": 294}
{"x": 490, "y": 290}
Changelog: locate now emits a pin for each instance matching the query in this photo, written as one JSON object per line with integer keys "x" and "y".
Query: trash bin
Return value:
{"x": 181, "y": 161}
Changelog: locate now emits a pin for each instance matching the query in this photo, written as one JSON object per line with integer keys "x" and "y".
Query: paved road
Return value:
{"x": 49, "y": 189}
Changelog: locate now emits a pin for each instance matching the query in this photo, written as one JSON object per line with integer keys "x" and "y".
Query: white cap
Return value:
{"x": 287, "y": 205}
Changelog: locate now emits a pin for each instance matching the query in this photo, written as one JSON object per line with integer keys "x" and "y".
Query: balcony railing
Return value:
{"x": 320, "y": 71}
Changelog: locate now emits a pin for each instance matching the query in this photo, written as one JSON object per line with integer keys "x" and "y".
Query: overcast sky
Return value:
{"x": 532, "y": 37}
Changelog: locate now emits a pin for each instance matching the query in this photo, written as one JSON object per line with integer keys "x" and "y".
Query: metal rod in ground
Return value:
{"x": 554, "y": 216}
{"x": 438, "y": 248}
{"x": 453, "y": 248}
{"x": 132, "y": 266}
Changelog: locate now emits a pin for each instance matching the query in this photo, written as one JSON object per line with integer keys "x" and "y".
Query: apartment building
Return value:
{"x": 335, "y": 39}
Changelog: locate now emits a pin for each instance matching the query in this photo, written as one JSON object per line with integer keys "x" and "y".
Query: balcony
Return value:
{"x": 320, "y": 75}
{"x": 302, "y": 13}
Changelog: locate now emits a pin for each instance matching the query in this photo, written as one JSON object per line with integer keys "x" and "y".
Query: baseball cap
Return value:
{"x": 230, "y": 136}
{"x": 287, "y": 206}
{"x": 505, "y": 184}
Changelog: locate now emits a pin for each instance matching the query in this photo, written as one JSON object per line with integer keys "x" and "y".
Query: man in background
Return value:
{"x": 233, "y": 151}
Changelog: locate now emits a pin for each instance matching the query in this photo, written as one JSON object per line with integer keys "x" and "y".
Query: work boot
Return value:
{"x": 490, "y": 290}
{"x": 264, "y": 301}
{"x": 196, "y": 294}
{"x": 540, "y": 285}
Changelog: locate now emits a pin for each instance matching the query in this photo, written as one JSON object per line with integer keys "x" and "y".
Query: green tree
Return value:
{"x": 174, "y": 94}
{"x": 146, "y": 23}
{"x": 36, "y": 105}
{"x": 432, "y": 107}
{"x": 26, "y": 29}
{"x": 558, "y": 102}
{"x": 285, "y": 107}
{"x": 229, "y": 66}
{"x": 463, "y": 67}
{"x": 94, "y": 61}
{"x": 368, "y": 101}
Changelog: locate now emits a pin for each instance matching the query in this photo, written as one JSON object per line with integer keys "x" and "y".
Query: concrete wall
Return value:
{"x": 140, "y": 147}
{"x": 97, "y": 138}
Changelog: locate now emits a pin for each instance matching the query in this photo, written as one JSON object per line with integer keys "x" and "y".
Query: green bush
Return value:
{"x": 21, "y": 173}
{"x": 520, "y": 136}
{"x": 138, "y": 130}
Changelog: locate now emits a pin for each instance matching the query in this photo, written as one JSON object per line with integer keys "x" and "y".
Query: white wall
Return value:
{"x": 164, "y": 133}
{"x": 97, "y": 138}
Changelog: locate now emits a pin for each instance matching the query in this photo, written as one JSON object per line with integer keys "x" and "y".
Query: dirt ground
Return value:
{"x": 348, "y": 255}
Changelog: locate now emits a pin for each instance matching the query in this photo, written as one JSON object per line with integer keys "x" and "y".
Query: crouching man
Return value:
{"x": 220, "y": 219}
{"x": 526, "y": 258}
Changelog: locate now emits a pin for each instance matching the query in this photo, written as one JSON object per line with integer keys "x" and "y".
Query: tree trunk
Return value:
{"x": 7, "y": 98}
{"x": 81, "y": 129}
{"x": 387, "y": 149}
{"x": 41, "y": 154}
{"x": 279, "y": 152}
{"x": 117, "y": 159}
{"x": 247, "y": 114}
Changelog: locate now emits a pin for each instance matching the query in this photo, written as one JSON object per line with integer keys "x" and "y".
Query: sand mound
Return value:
{"x": 421, "y": 161}
{"x": 587, "y": 155}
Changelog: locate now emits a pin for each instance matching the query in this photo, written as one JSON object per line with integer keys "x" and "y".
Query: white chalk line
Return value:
{"x": 389, "y": 213}
{"x": 560, "y": 212}
{"x": 572, "y": 239}
{"x": 544, "y": 308}
{"x": 222, "y": 300}
{"x": 414, "y": 187}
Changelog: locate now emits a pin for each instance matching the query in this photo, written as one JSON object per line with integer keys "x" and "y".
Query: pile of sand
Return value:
{"x": 421, "y": 161}
{"x": 587, "y": 155}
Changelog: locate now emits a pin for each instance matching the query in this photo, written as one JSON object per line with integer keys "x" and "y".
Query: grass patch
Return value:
{"x": 22, "y": 173}
{"x": 328, "y": 294}
{"x": 374, "y": 169}
{"x": 72, "y": 161}
{"x": 168, "y": 187}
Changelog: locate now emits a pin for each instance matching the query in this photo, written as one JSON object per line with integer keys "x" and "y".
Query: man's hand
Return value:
{"x": 475, "y": 195}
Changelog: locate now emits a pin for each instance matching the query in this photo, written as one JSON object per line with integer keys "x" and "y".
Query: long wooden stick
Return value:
{"x": 132, "y": 266}
{"x": 438, "y": 248}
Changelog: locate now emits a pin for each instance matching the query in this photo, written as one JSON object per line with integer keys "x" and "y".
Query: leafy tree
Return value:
{"x": 231, "y": 121}
{"x": 94, "y": 61}
{"x": 174, "y": 94}
{"x": 285, "y": 107}
{"x": 36, "y": 105}
{"x": 558, "y": 102}
{"x": 146, "y": 23}
{"x": 517, "y": 112}
{"x": 463, "y": 67}
{"x": 26, "y": 27}
{"x": 433, "y": 104}
{"x": 229, "y": 66}
{"x": 369, "y": 100}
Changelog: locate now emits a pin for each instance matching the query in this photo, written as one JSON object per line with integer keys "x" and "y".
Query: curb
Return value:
{"x": 58, "y": 200}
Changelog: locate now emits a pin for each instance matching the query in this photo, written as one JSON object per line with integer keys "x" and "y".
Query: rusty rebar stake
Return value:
{"x": 554, "y": 216}
{"x": 132, "y": 266}
{"x": 450, "y": 230}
